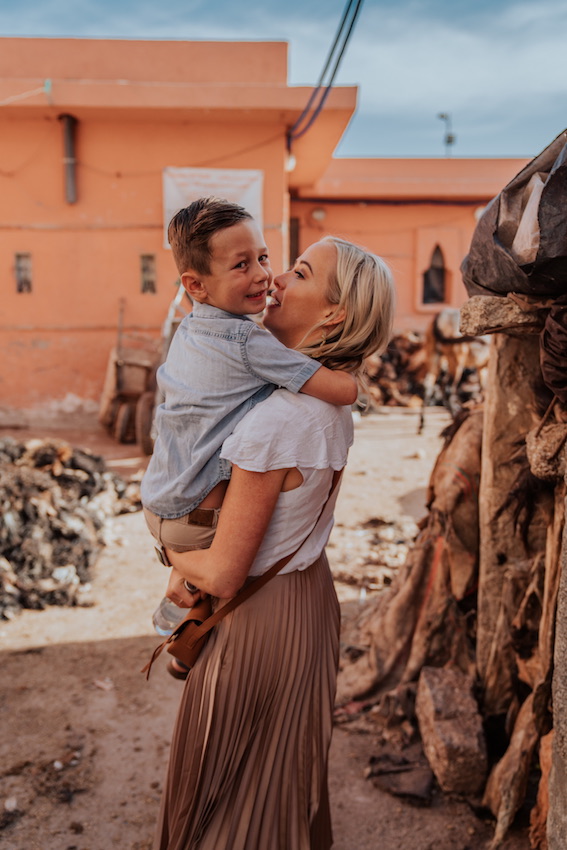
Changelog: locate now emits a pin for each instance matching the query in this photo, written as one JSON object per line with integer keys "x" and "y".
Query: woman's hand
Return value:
{"x": 178, "y": 593}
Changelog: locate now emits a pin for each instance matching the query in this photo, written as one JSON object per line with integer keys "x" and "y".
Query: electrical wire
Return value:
{"x": 325, "y": 69}
{"x": 296, "y": 130}
{"x": 329, "y": 86}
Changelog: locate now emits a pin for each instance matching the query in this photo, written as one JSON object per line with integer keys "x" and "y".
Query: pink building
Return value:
{"x": 103, "y": 140}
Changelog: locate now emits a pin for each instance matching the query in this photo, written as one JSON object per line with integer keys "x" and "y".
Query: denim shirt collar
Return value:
{"x": 207, "y": 311}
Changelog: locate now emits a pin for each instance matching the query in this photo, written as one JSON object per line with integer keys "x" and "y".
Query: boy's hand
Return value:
{"x": 178, "y": 593}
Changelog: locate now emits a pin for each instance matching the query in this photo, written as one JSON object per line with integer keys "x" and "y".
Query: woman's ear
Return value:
{"x": 193, "y": 286}
{"x": 334, "y": 318}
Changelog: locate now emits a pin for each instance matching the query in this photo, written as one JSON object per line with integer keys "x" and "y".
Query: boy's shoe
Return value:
{"x": 176, "y": 669}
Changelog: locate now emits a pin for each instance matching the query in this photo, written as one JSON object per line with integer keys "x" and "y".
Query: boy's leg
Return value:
{"x": 195, "y": 530}
{"x": 192, "y": 531}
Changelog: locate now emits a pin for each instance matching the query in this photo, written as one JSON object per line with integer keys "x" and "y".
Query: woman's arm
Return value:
{"x": 247, "y": 510}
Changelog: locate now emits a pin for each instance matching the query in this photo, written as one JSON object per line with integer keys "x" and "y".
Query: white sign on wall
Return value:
{"x": 181, "y": 186}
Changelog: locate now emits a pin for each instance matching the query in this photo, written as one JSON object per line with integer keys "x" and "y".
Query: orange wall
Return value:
{"x": 142, "y": 106}
{"x": 405, "y": 236}
{"x": 402, "y": 209}
{"x": 87, "y": 60}
{"x": 86, "y": 256}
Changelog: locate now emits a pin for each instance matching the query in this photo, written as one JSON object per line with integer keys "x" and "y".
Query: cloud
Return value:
{"x": 491, "y": 64}
{"x": 492, "y": 73}
{"x": 420, "y": 58}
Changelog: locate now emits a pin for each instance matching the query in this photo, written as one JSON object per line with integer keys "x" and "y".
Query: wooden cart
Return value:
{"x": 129, "y": 385}
{"x": 130, "y": 394}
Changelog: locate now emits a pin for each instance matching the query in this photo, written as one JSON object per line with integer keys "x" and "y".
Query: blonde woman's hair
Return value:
{"x": 362, "y": 287}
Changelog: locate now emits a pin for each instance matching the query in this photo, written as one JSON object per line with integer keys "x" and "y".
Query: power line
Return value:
{"x": 325, "y": 69}
{"x": 297, "y": 130}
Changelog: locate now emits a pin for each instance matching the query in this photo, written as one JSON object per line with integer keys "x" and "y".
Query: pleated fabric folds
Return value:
{"x": 248, "y": 761}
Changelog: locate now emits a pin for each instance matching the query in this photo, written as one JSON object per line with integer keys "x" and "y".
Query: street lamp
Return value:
{"x": 450, "y": 138}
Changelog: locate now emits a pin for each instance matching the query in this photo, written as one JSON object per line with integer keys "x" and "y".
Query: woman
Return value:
{"x": 248, "y": 764}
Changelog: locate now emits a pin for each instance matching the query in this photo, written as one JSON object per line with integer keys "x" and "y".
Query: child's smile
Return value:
{"x": 256, "y": 297}
{"x": 240, "y": 273}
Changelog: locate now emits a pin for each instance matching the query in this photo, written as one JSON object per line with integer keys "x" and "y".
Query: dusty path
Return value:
{"x": 85, "y": 738}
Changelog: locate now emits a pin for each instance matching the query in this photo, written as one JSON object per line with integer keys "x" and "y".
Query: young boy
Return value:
{"x": 219, "y": 365}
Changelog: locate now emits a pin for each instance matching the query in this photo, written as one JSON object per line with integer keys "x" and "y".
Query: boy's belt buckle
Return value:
{"x": 161, "y": 556}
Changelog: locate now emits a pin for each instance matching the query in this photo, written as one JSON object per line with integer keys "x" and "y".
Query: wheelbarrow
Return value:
{"x": 130, "y": 377}
{"x": 179, "y": 308}
{"x": 134, "y": 417}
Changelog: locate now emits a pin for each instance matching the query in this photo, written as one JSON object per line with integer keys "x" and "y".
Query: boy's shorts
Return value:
{"x": 195, "y": 530}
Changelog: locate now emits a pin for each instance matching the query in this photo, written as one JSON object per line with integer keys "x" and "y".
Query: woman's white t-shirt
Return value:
{"x": 294, "y": 430}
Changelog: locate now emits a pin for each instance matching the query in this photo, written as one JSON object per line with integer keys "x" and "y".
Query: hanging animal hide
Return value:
{"x": 520, "y": 242}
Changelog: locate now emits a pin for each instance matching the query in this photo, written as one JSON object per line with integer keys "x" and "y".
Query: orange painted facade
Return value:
{"x": 403, "y": 209}
{"x": 139, "y": 108}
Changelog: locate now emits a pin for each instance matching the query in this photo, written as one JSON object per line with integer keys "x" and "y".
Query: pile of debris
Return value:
{"x": 56, "y": 502}
{"x": 396, "y": 376}
{"x": 418, "y": 369}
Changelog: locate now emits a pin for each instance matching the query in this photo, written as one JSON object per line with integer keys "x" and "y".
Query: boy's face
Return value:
{"x": 240, "y": 272}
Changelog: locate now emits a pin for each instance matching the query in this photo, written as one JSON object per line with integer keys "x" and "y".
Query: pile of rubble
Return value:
{"x": 396, "y": 376}
{"x": 399, "y": 376}
{"x": 55, "y": 506}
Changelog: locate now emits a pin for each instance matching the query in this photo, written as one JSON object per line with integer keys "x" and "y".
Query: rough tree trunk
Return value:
{"x": 419, "y": 619}
{"x": 504, "y": 564}
{"x": 557, "y": 818}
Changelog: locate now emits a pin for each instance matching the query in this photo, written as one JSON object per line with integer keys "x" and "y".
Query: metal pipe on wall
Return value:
{"x": 69, "y": 157}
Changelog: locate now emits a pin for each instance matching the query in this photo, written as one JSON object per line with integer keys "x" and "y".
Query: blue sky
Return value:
{"x": 497, "y": 67}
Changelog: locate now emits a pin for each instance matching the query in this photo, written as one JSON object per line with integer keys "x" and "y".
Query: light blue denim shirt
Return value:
{"x": 218, "y": 367}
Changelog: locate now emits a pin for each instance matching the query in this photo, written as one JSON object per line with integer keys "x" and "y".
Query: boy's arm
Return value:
{"x": 285, "y": 367}
{"x": 335, "y": 387}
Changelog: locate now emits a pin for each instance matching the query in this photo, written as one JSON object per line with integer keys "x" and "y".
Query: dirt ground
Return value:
{"x": 85, "y": 737}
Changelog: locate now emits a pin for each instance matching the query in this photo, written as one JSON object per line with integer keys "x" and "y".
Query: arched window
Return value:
{"x": 434, "y": 279}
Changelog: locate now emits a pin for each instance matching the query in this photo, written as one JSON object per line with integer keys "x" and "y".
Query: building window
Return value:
{"x": 434, "y": 279}
{"x": 148, "y": 273}
{"x": 23, "y": 272}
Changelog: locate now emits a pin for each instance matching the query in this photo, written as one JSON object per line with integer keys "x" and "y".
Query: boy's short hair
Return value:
{"x": 190, "y": 231}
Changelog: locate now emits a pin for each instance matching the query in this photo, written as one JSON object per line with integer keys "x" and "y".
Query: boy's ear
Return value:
{"x": 193, "y": 286}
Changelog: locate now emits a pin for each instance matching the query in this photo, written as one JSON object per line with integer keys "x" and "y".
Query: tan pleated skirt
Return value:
{"x": 248, "y": 762}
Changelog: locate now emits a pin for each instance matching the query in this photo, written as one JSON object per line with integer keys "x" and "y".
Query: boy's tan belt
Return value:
{"x": 200, "y": 516}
